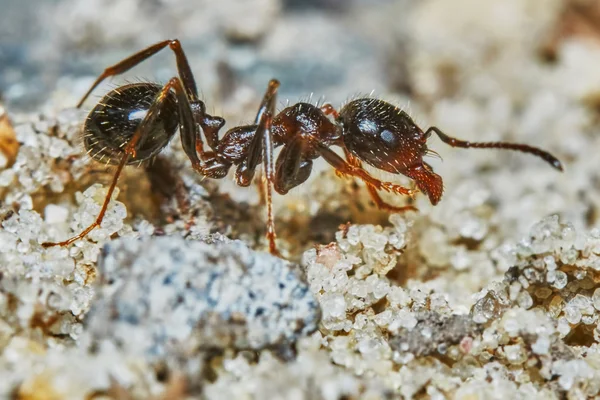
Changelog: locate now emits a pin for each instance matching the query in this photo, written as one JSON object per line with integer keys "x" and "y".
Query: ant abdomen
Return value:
{"x": 382, "y": 135}
{"x": 113, "y": 121}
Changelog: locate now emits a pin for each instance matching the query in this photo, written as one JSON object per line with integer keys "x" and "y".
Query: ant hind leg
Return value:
{"x": 122, "y": 66}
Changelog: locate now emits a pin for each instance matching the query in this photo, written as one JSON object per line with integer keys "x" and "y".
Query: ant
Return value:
{"x": 133, "y": 123}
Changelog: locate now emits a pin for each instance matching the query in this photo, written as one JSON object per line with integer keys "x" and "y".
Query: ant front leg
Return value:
{"x": 129, "y": 151}
{"x": 261, "y": 147}
{"x": 343, "y": 168}
{"x": 292, "y": 167}
{"x": 379, "y": 202}
{"x": 183, "y": 67}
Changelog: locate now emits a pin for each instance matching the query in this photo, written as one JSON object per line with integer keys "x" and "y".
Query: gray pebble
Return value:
{"x": 164, "y": 294}
{"x": 433, "y": 332}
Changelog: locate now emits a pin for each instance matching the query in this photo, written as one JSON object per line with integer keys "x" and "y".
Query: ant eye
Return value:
{"x": 368, "y": 126}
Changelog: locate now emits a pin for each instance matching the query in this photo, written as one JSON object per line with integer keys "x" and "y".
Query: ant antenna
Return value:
{"x": 549, "y": 158}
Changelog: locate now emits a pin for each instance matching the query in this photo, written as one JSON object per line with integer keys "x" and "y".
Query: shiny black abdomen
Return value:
{"x": 113, "y": 121}
{"x": 381, "y": 135}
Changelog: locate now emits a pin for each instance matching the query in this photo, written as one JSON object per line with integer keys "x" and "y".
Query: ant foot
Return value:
{"x": 390, "y": 187}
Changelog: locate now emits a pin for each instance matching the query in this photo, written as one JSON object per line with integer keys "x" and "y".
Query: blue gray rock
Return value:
{"x": 164, "y": 294}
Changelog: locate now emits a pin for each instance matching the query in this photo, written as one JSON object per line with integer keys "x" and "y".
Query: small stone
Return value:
{"x": 512, "y": 326}
{"x": 404, "y": 319}
{"x": 583, "y": 304}
{"x": 572, "y": 314}
{"x": 524, "y": 300}
{"x": 460, "y": 260}
{"x": 560, "y": 280}
{"x": 334, "y": 306}
{"x": 569, "y": 256}
{"x": 555, "y": 306}
{"x": 433, "y": 332}
{"x": 563, "y": 327}
{"x": 9, "y": 145}
{"x": 541, "y": 345}
{"x": 54, "y": 214}
{"x": 466, "y": 344}
{"x": 484, "y": 309}
{"x": 543, "y": 293}
{"x": 550, "y": 263}
{"x": 589, "y": 319}
{"x": 551, "y": 276}
{"x": 166, "y": 291}
{"x": 515, "y": 354}
{"x": 571, "y": 371}
{"x": 398, "y": 296}
{"x": 596, "y": 299}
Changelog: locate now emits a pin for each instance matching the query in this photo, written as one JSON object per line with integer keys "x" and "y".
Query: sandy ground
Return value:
{"x": 492, "y": 293}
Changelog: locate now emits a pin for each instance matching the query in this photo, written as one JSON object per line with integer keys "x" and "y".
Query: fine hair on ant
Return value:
{"x": 135, "y": 122}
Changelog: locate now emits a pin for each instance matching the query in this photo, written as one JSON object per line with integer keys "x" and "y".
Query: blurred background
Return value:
{"x": 517, "y": 70}
{"x": 333, "y": 48}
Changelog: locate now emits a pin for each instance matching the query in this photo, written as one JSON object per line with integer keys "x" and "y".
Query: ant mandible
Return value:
{"x": 135, "y": 122}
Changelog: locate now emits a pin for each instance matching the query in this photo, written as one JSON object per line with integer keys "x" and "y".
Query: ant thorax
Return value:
{"x": 306, "y": 120}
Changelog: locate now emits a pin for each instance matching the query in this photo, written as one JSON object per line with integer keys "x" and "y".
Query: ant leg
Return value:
{"x": 379, "y": 202}
{"x": 262, "y": 147}
{"x": 183, "y": 67}
{"x": 383, "y": 205}
{"x": 292, "y": 167}
{"x": 549, "y": 158}
{"x": 262, "y": 138}
{"x": 344, "y": 168}
{"x": 129, "y": 151}
{"x": 264, "y": 120}
{"x": 191, "y": 141}
{"x": 100, "y": 217}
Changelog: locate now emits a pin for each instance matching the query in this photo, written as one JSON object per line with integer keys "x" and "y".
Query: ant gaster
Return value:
{"x": 135, "y": 122}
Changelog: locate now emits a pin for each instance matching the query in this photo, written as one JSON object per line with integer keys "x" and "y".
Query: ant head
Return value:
{"x": 381, "y": 135}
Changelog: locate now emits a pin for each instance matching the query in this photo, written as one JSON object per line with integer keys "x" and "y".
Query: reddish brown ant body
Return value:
{"x": 135, "y": 122}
